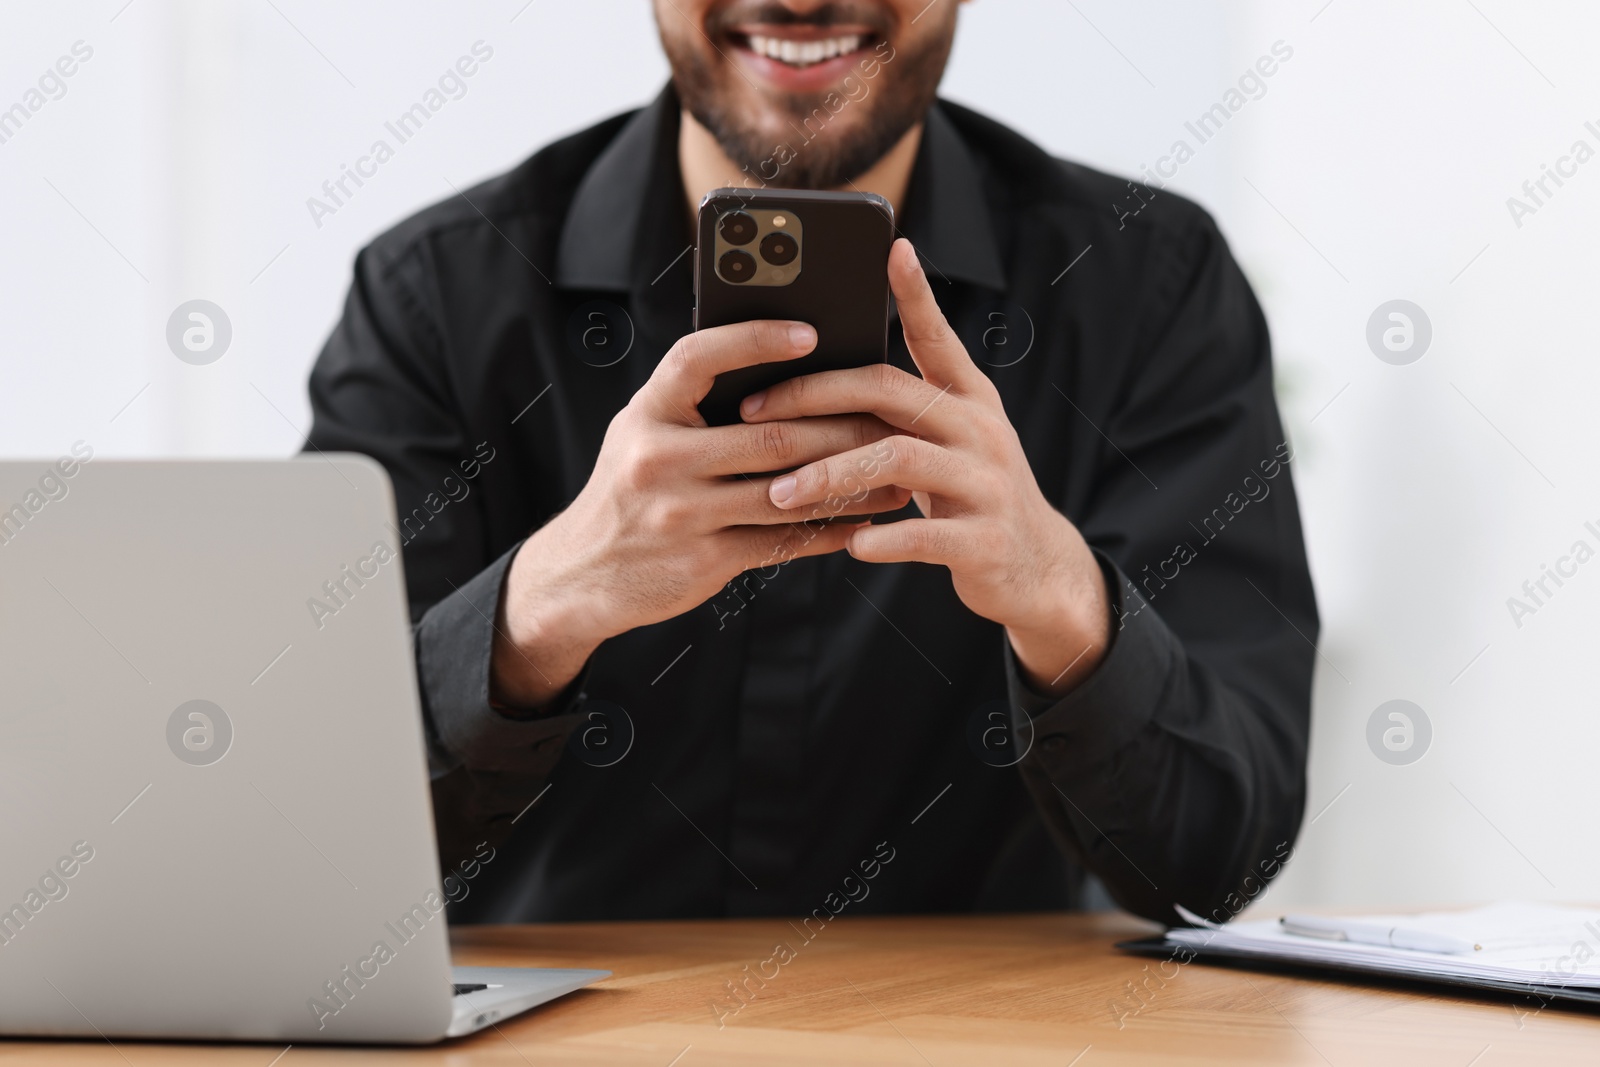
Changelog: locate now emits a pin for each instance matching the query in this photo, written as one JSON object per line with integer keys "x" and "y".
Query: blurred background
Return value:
{"x": 1375, "y": 165}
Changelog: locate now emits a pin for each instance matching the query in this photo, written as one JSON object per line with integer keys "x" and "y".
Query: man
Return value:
{"x": 1076, "y": 639}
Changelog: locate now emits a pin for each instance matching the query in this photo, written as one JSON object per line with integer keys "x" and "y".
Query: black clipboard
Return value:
{"x": 1528, "y": 993}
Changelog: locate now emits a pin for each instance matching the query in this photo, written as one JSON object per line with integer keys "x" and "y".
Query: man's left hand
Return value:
{"x": 1013, "y": 557}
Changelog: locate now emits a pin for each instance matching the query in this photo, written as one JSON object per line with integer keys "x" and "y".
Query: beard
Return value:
{"x": 808, "y": 144}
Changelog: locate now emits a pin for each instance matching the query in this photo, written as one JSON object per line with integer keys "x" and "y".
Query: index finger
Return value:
{"x": 684, "y": 376}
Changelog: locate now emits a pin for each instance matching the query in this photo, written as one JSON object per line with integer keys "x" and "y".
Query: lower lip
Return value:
{"x": 816, "y": 77}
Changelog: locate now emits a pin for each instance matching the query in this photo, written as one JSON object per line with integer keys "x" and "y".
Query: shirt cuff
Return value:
{"x": 454, "y": 646}
{"x": 1118, "y": 699}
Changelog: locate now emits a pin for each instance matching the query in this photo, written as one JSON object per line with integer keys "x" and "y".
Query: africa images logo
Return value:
{"x": 51, "y": 886}
{"x": 341, "y": 989}
{"x": 199, "y": 732}
{"x": 199, "y": 332}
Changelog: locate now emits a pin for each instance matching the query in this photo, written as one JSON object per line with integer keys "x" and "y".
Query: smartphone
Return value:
{"x": 815, "y": 257}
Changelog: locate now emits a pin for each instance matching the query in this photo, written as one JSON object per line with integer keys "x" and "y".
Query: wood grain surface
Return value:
{"x": 924, "y": 992}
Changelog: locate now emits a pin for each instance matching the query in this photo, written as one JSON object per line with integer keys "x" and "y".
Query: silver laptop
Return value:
{"x": 214, "y": 810}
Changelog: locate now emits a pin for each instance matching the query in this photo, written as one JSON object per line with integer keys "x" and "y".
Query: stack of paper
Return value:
{"x": 1538, "y": 945}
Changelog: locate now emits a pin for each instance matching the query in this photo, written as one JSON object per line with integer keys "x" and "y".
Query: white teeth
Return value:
{"x": 803, "y": 53}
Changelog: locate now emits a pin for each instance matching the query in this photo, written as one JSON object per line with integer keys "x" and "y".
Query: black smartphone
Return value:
{"x": 815, "y": 257}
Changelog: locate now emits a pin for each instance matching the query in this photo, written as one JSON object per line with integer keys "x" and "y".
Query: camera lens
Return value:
{"x": 736, "y": 266}
{"x": 738, "y": 228}
{"x": 779, "y": 249}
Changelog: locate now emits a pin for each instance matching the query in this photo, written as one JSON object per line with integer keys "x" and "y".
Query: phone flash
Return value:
{"x": 780, "y": 220}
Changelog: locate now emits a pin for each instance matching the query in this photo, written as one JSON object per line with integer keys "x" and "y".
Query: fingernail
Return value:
{"x": 802, "y": 335}
{"x": 782, "y": 489}
{"x": 752, "y": 403}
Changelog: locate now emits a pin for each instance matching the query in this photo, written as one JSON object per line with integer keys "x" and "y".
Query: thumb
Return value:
{"x": 934, "y": 346}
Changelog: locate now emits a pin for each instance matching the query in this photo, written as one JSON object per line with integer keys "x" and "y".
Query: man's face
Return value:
{"x": 806, "y": 94}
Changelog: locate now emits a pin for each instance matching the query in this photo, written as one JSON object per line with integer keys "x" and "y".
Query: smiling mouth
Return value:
{"x": 800, "y": 52}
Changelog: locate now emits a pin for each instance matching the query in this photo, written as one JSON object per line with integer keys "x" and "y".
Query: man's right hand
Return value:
{"x": 672, "y": 512}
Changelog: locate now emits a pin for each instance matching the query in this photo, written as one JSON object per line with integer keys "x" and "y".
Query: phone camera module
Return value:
{"x": 738, "y": 228}
{"x": 736, "y": 266}
{"x": 779, "y": 249}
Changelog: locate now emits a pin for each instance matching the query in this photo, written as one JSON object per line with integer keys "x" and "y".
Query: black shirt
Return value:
{"x": 763, "y": 752}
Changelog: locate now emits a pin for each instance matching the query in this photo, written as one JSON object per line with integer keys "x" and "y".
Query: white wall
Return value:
{"x": 1376, "y": 166}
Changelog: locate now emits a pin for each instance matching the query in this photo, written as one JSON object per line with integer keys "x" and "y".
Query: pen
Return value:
{"x": 1370, "y": 933}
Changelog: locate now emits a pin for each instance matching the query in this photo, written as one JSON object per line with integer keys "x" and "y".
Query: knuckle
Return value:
{"x": 878, "y": 456}
{"x": 622, "y": 426}
{"x": 888, "y": 379}
{"x": 777, "y": 442}
{"x": 666, "y": 514}
{"x": 794, "y": 396}
{"x": 916, "y": 393}
{"x": 826, "y": 475}
{"x": 931, "y": 326}
{"x": 760, "y": 336}
{"x": 1000, "y": 432}
{"x": 860, "y": 470}
{"x": 683, "y": 354}
{"x": 935, "y": 541}
{"x": 921, "y": 539}
{"x": 905, "y": 454}
{"x": 753, "y": 340}
{"x": 641, "y": 465}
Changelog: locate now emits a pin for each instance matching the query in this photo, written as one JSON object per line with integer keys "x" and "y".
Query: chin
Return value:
{"x": 809, "y": 105}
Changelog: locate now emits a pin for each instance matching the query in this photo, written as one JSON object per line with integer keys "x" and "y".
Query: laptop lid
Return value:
{"x": 217, "y": 821}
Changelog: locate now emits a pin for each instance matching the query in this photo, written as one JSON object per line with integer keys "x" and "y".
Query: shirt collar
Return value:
{"x": 631, "y": 183}
{"x": 624, "y": 214}
{"x": 946, "y": 214}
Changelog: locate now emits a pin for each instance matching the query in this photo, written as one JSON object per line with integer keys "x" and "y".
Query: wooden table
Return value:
{"x": 1034, "y": 989}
